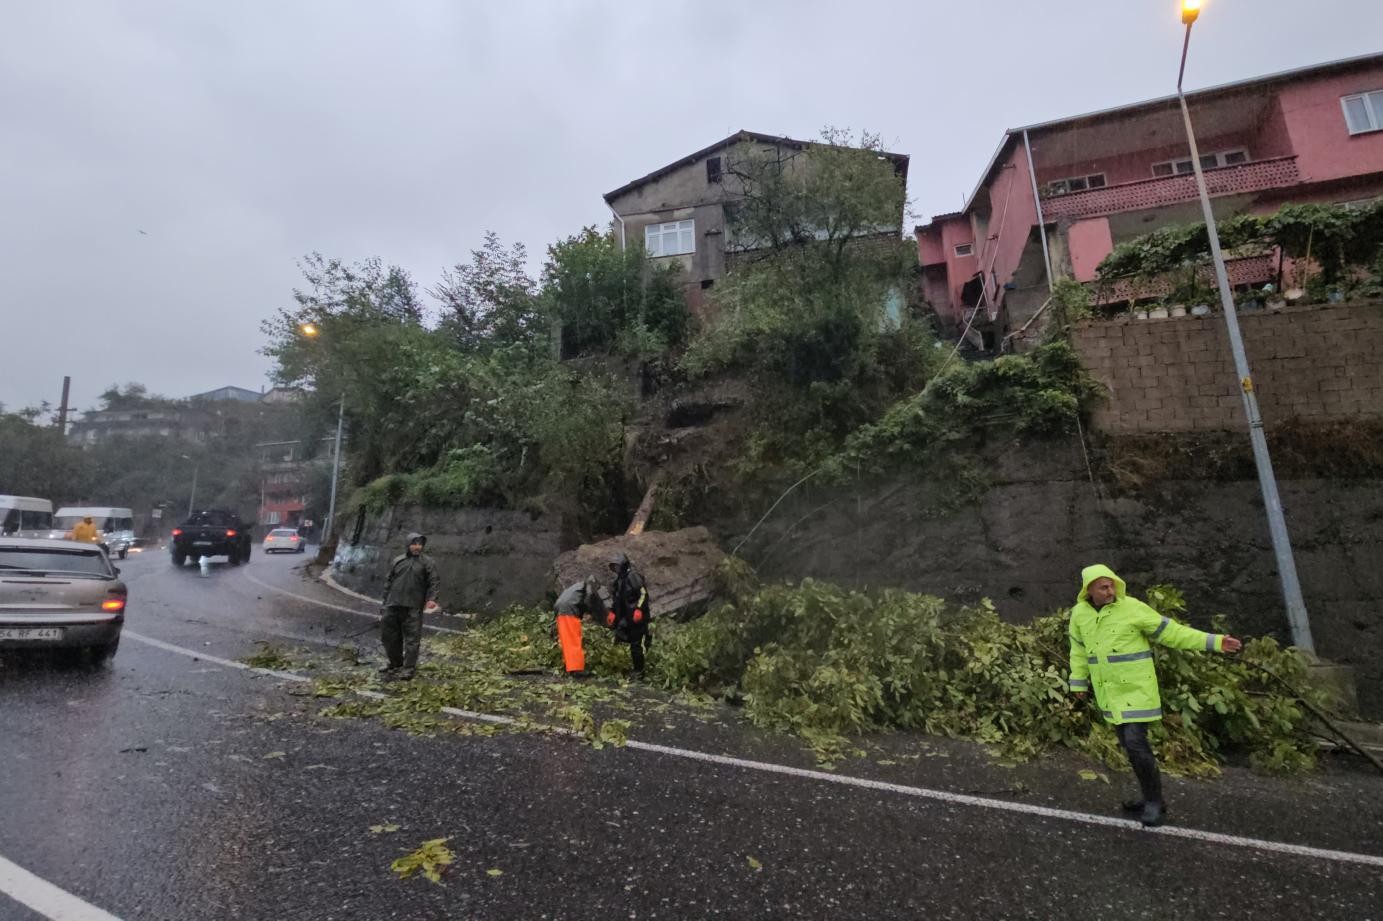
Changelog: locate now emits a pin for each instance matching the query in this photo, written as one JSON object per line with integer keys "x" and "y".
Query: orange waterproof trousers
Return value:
{"x": 569, "y": 634}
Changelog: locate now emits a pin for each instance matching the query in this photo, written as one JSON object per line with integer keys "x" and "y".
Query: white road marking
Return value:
{"x": 43, "y": 897}
{"x": 336, "y": 607}
{"x": 959, "y": 799}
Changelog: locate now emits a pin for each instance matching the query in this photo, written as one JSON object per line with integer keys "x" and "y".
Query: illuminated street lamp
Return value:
{"x": 310, "y": 330}
{"x": 1267, "y": 481}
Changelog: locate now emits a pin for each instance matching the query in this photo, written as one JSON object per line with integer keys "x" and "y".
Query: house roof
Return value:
{"x": 1013, "y": 135}
{"x": 737, "y": 137}
{"x": 229, "y": 392}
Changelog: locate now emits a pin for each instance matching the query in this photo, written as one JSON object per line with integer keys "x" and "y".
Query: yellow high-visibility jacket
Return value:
{"x": 85, "y": 532}
{"x": 1110, "y": 650}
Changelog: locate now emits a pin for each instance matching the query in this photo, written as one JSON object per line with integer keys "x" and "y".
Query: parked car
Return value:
{"x": 284, "y": 540}
{"x": 59, "y": 593}
{"x": 211, "y": 532}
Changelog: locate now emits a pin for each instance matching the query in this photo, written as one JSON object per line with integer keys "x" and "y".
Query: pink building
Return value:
{"x": 1058, "y": 196}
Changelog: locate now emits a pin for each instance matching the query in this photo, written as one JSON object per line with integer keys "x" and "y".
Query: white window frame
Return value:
{"x": 1063, "y": 186}
{"x": 1216, "y": 158}
{"x": 656, "y": 238}
{"x": 968, "y": 247}
{"x": 1373, "y": 110}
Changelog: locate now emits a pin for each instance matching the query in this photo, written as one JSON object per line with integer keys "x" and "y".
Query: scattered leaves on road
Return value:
{"x": 431, "y": 858}
{"x": 270, "y": 656}
{"x": 1093, "y": 775}
{"x": 494, "y": 871}
{"x": 754, "y": 863}
{"x": 386, "y": 829}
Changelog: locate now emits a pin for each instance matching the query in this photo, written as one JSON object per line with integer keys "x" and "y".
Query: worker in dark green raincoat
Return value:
{"x": 409, "y": 590}
{"x": 1110, "y": 652}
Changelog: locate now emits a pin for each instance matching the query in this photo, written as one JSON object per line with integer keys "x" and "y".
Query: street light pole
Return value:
{"x": 192, "y": 497}
{"x": 311, "y": 331}
{"x": 1267, "y": 481}
{"x": 335, "y": 470}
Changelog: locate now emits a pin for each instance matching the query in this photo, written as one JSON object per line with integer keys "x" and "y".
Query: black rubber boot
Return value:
{"x": 1153, "y": 814}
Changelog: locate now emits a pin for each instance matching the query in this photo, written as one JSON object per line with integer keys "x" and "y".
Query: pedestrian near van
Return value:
{"x": 578, "y": 600}
{"x": 410, "y": 589}
{"x": 1111, "y": 653}
{"x": 85, "y": 531}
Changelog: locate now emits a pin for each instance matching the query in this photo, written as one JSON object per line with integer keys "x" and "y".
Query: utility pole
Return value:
{"x": 335, "y": 470}
{"x": 62, "y": 410}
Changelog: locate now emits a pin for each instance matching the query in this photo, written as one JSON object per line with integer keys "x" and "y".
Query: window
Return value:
{"x": 1208, "y": 161}
{"x": 1076, "y": 184}
{"x": 1363, "y": 112}
{"x": 713, "y": 169}
{"x": 673, "y": 239}
{"x": 73, "y": 562}
{"x": 965, "y": 249}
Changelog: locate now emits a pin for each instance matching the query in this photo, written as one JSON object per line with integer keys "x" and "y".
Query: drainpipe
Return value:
{"x": 621, "y": 226}
{"x": 1041, "y": 223}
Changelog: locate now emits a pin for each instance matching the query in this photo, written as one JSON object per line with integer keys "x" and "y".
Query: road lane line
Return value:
{"x": 43, "y": 897}
{"x": 959, "y": 799}
{"x": 208, "y": 657}
{"x": 336, "y": 607}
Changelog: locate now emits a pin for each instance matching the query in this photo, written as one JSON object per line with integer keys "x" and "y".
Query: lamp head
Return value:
{"x": 1190, "y": 10}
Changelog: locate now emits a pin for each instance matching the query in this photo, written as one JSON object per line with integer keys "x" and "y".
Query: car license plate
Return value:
{"x": 201, "y": 543}
{"x": 30, "y": 633}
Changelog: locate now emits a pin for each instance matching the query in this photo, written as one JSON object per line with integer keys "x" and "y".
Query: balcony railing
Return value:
{"x": 1242, "y": 270}
{"x": 1276, "y": 173}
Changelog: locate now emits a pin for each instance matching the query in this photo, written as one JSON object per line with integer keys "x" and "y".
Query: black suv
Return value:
{"x": 211, "y": 532}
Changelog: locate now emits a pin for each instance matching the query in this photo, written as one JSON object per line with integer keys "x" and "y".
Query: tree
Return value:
{"x": 813, "y": 309}
{"x": 492, "y": 301}
{"x": 611, "y": 299}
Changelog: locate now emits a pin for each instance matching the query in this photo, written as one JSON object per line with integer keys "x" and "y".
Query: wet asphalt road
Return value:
{"x": 165, "y": 787}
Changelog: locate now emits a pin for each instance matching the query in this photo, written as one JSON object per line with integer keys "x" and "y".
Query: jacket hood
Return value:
{"x": 620, "y": 562}
{"x": 415, "y": 537}
{"x": 1099, "y": 571}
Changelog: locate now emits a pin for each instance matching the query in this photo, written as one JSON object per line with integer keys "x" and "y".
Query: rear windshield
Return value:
{"x": 69, "y": 562}
{"x": 283, "y": 533}
{"x": 214, "y": 519}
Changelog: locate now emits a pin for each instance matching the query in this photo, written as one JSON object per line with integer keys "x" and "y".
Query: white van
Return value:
{"x": 25, "y": 516}
{"x": 115, "y": 524}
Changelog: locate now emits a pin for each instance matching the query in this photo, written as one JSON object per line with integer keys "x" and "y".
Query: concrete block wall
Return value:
{"x": 1318, "y": 363}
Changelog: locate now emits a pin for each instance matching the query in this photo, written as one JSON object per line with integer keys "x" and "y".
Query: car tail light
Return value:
{"x": 269, "y": 539}
{"x": 230, "y": 533}
{"x": 177, "y": 532}
{"x": 113, "y": 604}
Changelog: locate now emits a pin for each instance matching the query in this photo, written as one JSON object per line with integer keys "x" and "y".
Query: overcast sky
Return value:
{"x": 239, "y": 136}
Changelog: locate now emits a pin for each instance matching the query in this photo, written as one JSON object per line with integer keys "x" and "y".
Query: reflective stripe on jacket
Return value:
{"x": 1111, "y": 652}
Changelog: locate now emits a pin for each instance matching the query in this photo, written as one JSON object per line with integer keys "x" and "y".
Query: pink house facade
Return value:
{"x": 1058, "y": 196}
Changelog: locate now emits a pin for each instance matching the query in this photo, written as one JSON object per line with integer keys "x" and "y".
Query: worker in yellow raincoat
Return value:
{"x": 85, "y": 531}
{"x": 1110, "y": 635}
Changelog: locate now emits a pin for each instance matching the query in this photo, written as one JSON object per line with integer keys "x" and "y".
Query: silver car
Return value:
{"x": 59, "y": 593}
